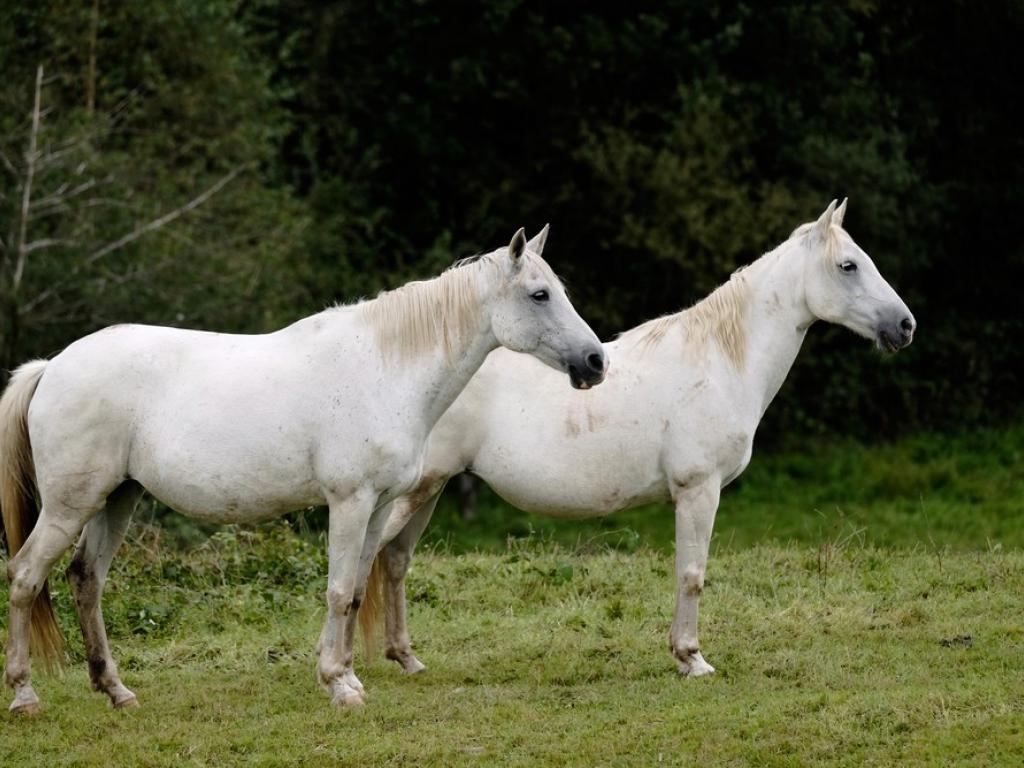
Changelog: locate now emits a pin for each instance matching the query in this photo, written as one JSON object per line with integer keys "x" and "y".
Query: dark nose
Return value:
{"x": 595, "y": 362}
{"x": 907, "y": 325}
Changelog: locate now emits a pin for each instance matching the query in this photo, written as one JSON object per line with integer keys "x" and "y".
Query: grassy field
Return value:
{"x": 551, "y": 649}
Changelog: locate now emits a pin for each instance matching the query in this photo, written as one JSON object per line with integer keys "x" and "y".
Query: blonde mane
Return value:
{"x": 720, "y": 315}
{"x": 426, "y": 314}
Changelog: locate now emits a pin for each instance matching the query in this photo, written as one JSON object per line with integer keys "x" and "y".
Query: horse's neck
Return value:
{"x": 441, "y": 381}
{"x": 776, "y": 323}
{"x": 441, "y": 374}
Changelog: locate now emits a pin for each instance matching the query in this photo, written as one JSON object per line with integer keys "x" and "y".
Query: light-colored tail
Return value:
{"x": 370, "y": 611}
{"x": 19, "y": 505}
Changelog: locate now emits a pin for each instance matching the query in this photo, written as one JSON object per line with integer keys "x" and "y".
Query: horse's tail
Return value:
{"x": 19, "y": 504}
{"x": 370, "y": 611}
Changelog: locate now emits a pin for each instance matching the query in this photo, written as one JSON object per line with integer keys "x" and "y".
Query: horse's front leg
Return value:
{"x": 696, "y": 504}
{"x": 348, "y": 521}
{"x": 371, "y": 543}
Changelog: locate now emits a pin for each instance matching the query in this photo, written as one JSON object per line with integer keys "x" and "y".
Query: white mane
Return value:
{"x": 427, "y": 314}
{"x": 423, "y": 315}
{"x": 720, "y": 315}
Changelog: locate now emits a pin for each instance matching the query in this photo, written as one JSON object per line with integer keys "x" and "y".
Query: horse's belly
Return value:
{"x": 214, "y": 500}
{"x": 218, "y": 481}
{"x": 576, "y": 484}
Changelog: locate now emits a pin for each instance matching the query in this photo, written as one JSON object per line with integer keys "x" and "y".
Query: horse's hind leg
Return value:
{"x": 87, "y": 575}
{"x": 396, "y": 557}
{"x": 52, "y": 535}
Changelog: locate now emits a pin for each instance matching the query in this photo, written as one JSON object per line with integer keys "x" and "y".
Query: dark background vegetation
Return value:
{"x": 667, "y": 143}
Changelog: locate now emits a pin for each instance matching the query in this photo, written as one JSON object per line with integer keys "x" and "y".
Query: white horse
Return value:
{"x": 334, "y": 409}
{"x": 675, "y": 419}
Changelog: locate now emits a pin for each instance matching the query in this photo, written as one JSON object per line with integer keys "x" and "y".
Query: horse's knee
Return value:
{"x": 693, "y": 581}
{"x": 397, "y": 563}
{"x": 23, "y": 588}
{"x": 341, "y": 602}
{"x": 78, "y": 573}
{"x": 84, "y": 583}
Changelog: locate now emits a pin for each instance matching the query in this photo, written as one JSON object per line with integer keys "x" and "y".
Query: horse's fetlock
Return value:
{"x": 97, "y": 671}
{"x": 329, "y": 674}
{"x": 683, "y": 649}
{"x": 330, "y": 671}
{"x": 16, "y": 676}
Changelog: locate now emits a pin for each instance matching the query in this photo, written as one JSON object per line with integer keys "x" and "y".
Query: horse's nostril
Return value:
{"x": 595, "y": 362}
{"x": 907, "y": 324}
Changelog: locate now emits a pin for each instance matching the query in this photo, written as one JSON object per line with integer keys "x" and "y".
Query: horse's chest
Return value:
{"x": 390, "y": 462}
{"x": 723, "y": 452}
{"x": 743, "y": 454}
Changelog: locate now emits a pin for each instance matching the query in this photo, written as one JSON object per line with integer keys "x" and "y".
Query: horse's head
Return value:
{"x": 843, "y": 285}
{"x": 532, "y": 313}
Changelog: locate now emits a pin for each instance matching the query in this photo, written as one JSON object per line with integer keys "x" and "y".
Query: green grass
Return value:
{"x": 547, "y": 656}
{"x": 964, "y": 492}
{"x": 842, "y": 583}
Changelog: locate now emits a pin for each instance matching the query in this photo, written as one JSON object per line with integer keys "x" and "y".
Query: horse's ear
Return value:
{"x": 837, "y": 217}
{"x": 536, "y": 243}
{"x": 824, "y": 221}
{"x": 517, "y": 248}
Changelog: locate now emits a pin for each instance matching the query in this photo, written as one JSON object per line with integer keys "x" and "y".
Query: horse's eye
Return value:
{"x": 848, "y": 266}
{"x": 539, "y": 296}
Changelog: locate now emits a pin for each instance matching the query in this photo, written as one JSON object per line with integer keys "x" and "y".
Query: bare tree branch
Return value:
{"x": 62, "y": 194}
{"x": 93, "y": 202}
{"x": 54, "y": 157}
{"x": 167, "y": 218}
{"x": 26, "y": 199}
{"x": 45, "y": 242}
{"x": 135, "y": 234}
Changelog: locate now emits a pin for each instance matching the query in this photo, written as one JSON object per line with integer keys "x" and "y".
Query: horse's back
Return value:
{"x": 102, "y": 378}
{"x": 196, "y": 417}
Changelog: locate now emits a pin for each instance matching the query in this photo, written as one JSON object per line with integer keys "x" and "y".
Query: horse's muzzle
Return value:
{"x": 893, "y": 337}
{"x": 589, "y": 370}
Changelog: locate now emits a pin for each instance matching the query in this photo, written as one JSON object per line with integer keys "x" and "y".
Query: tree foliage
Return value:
{"x": 667, "y": 143}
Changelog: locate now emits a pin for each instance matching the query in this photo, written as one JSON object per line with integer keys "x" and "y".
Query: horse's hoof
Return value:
{"x": 348, "y": 700}
{"x": 413, "y": 666}
{"x": 353, "y": 682}
{"x": 407, "y": 661}
{"x": 695, "y": 666}
{"x": 701, "y": 671}
{"x": 27, "y": 708}
{"x": 129, "y": 702}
